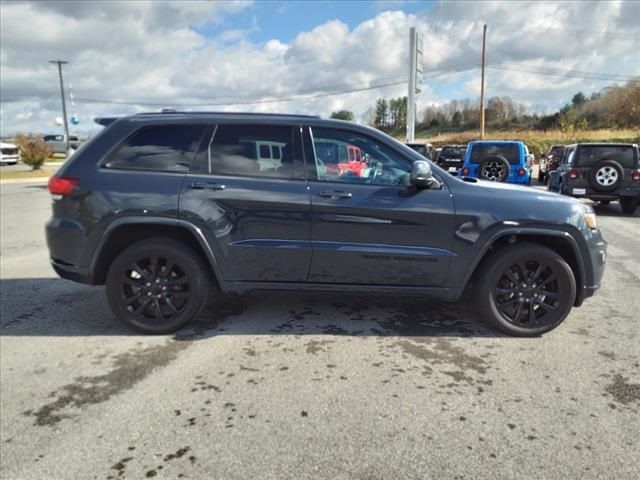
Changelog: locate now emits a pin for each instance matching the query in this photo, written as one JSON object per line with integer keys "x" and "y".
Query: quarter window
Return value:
{"x": 160, "y": 147}
{"x": 252, "y": 151}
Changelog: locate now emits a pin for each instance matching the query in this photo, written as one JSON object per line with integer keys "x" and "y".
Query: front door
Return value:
{"x": 374, "y": 228}
{"x": 253, "y": 208}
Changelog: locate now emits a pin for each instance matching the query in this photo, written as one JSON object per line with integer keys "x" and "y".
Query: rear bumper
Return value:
{"x": 631, "y": 192}
{"x": 65, "y": 239}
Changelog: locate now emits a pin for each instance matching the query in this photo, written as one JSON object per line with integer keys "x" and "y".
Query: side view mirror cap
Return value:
{"x": 421, "y": 174}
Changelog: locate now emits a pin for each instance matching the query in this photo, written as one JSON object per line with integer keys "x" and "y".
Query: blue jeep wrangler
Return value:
{"x": 498, "y": 161}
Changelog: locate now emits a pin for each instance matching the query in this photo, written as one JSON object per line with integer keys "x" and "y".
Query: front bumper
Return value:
{"x": 597, "y": 259}
{"x": 72, "y": 272}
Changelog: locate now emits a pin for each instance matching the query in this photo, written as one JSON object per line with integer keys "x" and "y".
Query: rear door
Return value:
{"x": 375, "y": 228}
{"x": 254, "y": 209}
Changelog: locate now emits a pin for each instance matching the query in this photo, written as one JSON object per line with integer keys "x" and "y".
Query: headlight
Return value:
{"x": 590, "y": 218}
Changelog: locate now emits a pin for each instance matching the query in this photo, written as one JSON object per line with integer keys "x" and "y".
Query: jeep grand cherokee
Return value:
{"x": 167, "y": 209}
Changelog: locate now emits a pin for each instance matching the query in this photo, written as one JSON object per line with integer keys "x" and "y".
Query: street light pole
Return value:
{"x": 64, "y": 103}
{"x": 484, "y": 44}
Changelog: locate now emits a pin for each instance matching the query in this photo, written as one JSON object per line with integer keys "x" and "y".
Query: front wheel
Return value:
{"x": 157, "y": 286}
{"x": 525, "y": 290}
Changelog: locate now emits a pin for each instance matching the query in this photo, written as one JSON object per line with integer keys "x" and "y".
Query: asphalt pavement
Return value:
{"x": 310, "y": 386}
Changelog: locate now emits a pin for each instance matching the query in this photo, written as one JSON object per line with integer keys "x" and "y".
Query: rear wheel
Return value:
{"x": 157, "y": 286}
{"x": 629, "y": 204}
{"x": 525, "y": 290}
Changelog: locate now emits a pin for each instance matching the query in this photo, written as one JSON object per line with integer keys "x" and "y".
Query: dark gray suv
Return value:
{"x": 167, "y": 209}
{"x": 602, "y": 172}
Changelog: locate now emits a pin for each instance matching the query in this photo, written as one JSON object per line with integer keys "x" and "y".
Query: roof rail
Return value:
{"x": 104, "y": 121}
{"x": 239, "y": 114}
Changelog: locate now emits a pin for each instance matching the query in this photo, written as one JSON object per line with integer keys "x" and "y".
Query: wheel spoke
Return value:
{"x": 141, "y": 271}
{"x": 532, "y": 314}
{"x": 549, "y": 294}
{"x": 510, "y": 276}
{"x": 505, "y": 291}
{"x": 157, "y": 310}
{"x": 129, "y": 300}
{"x": 167, "y": 269}
{"x": 538, "y": 272}
{"x": 153, "y": 266}
{"x": 518, "y": 314}
{"x": 523, "y": 271}
{"x": 550, "y": 279}
{"x": 170, "y": 304}
{"x": 508, "y": 302}
{"x": 546, "y": 306}
{"x": 133, "y": 282}
{"x": 138, "y": 312}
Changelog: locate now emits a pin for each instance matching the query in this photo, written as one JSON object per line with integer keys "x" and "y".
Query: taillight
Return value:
{"x": 635, "y": 176}
{"x": 465, "y": 171}
{"x": 522, "y": 172}
{"x": 62, "y": 185}
{"x": 573, "y": 174}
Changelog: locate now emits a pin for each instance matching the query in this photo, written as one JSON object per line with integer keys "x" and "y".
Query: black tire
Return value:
{"x": 606, "y": 175}
{"x": 157, "y": 275}
{"x": 629, "y": 204}
{"x": 494, "y": 168}
{"x": 604, "y": 203}
{"x": 546, "y": 300}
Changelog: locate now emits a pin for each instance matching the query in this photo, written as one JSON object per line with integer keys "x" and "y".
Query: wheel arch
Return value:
{"x": 124, "y": 232}
{"x": 560, "y": 242}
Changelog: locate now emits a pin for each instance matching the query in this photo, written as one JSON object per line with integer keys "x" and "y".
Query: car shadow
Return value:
{"x": 56, "y": 307}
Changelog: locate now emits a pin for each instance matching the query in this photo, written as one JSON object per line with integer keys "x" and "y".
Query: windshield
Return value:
{"x": 556, "y": 151}
{"x": 480, "y": 151}
{"x": 421, "y": 149}
{"x": 590, "y": 155}
{"x": 453, "y": 152}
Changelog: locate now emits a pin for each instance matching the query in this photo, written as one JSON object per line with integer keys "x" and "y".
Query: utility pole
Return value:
{"x": 415, "y": 83}
{"x": 64, "y": 104}
{"x": 484, "y": 49}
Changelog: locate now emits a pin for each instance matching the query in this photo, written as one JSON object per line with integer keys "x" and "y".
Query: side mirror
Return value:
{"x": 421, "y": 174}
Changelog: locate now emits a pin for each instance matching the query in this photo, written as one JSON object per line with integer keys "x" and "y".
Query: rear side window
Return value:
{"x": 158, "y": 147}
{"x": 452, "y": 152}
{"x": 510, "y": 151}
{"x": 588, "y": 156}
{"x": 247, "y": 151}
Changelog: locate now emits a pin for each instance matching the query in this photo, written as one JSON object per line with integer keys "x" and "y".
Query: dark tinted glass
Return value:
{"x": 588, "y": 156}
{"x": 162, "y": 147}
{"x": 245, "y": 150}
{"x": 452, "y": 152}
{"x": 510, "y": 151}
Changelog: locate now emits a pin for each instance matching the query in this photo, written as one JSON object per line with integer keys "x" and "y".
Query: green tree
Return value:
{"x": 458, "y": 119}
{"x": 578, "y": 99}
{"x": 382, "y": 111}
{"x": 343, "y": 115}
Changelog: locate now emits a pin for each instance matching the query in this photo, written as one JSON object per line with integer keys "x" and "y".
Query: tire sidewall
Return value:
{"x": 184, "y": 257}
{"x": 530, "y": 252}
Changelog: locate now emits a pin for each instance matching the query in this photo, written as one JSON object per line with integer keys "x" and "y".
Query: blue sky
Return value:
{"x": 284, "y": 20}
{"x": 301, "y": 56}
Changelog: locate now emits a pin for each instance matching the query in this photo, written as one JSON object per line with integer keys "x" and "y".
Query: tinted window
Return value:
{"x": 588, "y": 156}
{"x": 510, "y": 151}
{"x": 162, "y": 147}
{"x": 421, "y": 149}
{"x": 379, "y": 165}
{"x": 452, "y": 152}
{"x": 245, "y": 150}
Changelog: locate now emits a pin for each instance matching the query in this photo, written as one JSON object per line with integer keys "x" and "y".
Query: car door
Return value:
{"x": 254, "y": 213}
{"x": 374, "y": 228}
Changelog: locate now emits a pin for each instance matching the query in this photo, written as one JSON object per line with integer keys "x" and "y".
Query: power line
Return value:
{"x": 561, "y": 73}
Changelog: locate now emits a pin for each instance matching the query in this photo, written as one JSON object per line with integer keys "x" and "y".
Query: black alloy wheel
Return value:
{"x": 157, "y": 286}
{"x": 526, "y": 289}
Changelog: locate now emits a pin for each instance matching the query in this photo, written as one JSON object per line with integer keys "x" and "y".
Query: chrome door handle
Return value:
{"x": 208, "y": 186}
{"x": 334, "y": 194}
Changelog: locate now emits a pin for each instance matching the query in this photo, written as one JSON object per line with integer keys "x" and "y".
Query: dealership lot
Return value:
{"x": 310, "y": 385}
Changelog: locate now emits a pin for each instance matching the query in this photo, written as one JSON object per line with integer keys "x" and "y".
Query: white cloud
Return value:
{"x": 148, "y": 51}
